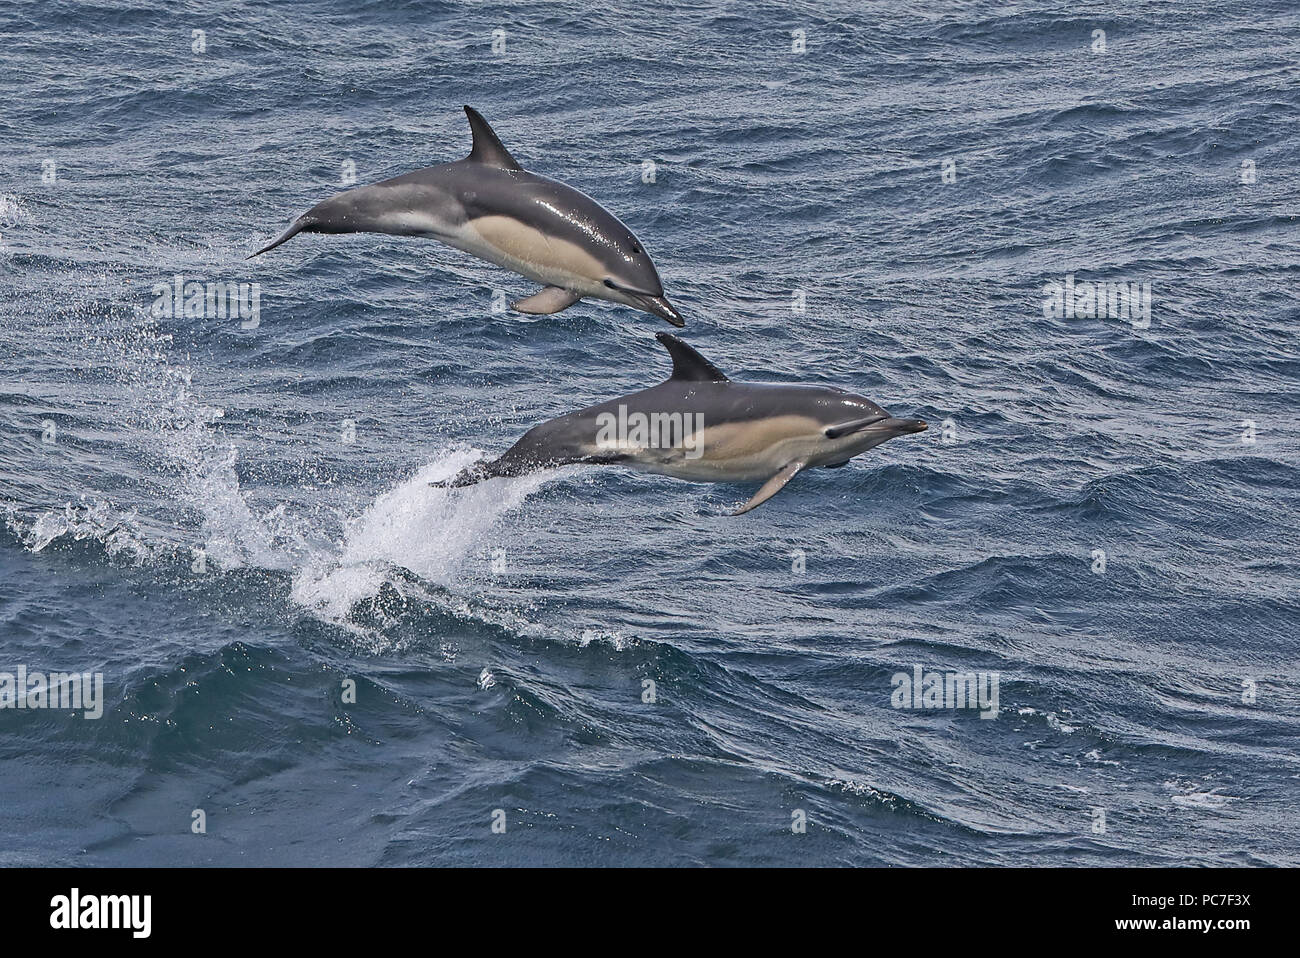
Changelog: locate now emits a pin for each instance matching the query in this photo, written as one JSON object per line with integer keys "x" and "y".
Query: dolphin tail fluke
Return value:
{"x": 508, "y": 467}
{"x": 468, "y": 476}
{"x": 503, "y": 467}
{"x": 300, "y": 224}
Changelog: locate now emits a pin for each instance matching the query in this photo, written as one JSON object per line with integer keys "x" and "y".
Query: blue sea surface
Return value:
{"x": 340, "y": 665}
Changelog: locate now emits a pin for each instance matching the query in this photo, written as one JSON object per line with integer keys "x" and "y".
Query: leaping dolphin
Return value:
{"x": 490, "y": 206}
{"x": 700, "y": 426}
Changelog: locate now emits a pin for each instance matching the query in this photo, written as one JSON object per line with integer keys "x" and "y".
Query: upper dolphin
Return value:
{"x": 701, "y": 426}
{"x": 490, "y": 206}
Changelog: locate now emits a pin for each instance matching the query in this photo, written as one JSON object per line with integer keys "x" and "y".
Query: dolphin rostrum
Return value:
{"x": 700, "y": 426}
{"x": 490, "y": 206}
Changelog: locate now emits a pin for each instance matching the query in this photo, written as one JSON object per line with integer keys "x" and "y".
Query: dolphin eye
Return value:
{"x": 610, "y": 284}
{"x": 636, "y": 249}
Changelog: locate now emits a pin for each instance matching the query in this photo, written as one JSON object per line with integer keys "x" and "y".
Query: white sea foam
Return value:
{"x": 91, "y": 519}
{"x": 412, "y": 537}
{"x": 429, "y": 532}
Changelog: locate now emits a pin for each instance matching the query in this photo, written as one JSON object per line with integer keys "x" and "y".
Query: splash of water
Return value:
{"x": 429, "y": 532}
{"x": 91, "y": 519}
{"x": 412, "y": 530}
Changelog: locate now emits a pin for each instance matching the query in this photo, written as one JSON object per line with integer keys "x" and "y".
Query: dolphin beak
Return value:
{"x": 904, "y": 426}
{"x": 659, "y": 306}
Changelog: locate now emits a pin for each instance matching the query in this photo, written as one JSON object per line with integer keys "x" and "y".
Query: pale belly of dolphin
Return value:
{"x": 530, "y": 252}
{"x": 743, "y": 451}
{"x": 505, "y": 242}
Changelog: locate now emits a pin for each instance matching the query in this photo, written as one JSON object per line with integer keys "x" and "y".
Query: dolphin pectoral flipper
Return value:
{"x": 771, "y": 487}
{"x": 551, "y": 299}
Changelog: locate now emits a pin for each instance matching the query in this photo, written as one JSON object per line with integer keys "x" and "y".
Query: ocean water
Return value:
{"x": 338, "y": 664}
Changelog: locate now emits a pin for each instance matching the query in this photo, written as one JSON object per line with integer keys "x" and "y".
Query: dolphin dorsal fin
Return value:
{"x": 487, "y": 147}
{"x": 687, "y": 363}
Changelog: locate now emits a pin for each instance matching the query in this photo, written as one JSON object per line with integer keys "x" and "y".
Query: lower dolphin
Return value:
{"x": 698, "y": 425}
